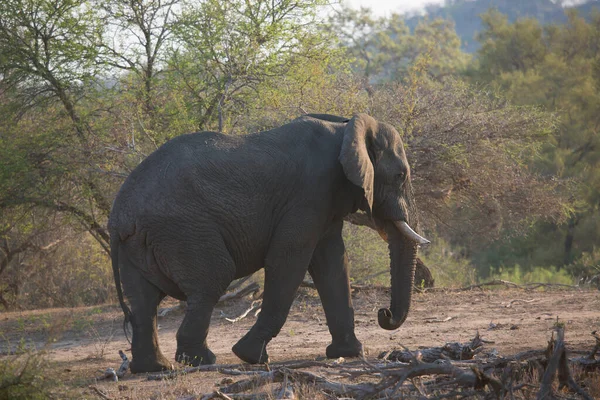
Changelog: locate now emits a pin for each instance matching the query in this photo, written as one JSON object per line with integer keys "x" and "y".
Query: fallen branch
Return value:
{"x": 100, "y": 392}
{"x": 237, "y": 283}
{"x": 507, "y": 284}
{"x": 232, "y": 293}
{"x": 515, "y": 301}
{"x": 255, "y": 304}
{"x": 164, "y": 311}
{"x": 450, "y": 351}
{"x": 450, "y": 371}
{"x": 251, "y": 288}
{"x": 311, "y": 285}
{"x": 247, "y": 369}
{"x": 279, "y": 375}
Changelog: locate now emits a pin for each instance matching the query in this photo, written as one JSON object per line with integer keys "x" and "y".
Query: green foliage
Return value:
{"x": 228, "y": 50}
{"x": 448, "y": 264}
{"x": 384, "y": 49}
{"x": 587, "y": 266}
{"x": 368, "y": 254}
{"x": 549, "y": 274}
{"x": 24, "y": 376}
{"x": 551, "y": 66}
{"x": 369, "y": 260}
{"x": 81, "y": 104}
{"x": 47, "y": 45}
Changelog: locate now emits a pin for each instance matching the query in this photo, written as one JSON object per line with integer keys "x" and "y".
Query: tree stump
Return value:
{"x": 423, "y": 277}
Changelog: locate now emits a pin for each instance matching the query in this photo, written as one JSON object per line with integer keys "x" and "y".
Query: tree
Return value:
{"x": 226, "y": 50}
{"x": 384, "y": 48}
{"x": 553, "y": 67}
{"x": 137, "y": 40}
{"x": 48, "y": 50}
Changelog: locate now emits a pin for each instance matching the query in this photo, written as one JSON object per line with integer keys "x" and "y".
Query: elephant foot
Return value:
{"x": 154, "y": 364}
{"x": 252, "y": 351}
{"x": 349, "y": 346}
{"x": 202, "y": 357}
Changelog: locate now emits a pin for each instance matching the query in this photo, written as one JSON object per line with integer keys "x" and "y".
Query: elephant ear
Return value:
{"x": 354, "y": 155}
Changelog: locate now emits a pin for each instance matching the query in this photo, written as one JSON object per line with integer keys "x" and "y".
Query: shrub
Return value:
{"x": 536, "y": 274}
{"x": 23, "y": 376}
{"x": 448, "y": 264}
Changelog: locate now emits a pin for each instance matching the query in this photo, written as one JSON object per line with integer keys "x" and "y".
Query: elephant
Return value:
{"x": 207, "y": 208}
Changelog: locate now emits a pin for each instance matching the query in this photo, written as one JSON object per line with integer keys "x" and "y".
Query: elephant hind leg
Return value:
{"x": 286, "y": 264}
{"x": 192, "y": 348}
{"x": 144, "y": 299}
{"x": 203, "y": 269}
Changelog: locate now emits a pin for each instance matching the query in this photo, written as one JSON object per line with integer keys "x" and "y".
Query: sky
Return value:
{"x": 384, "y": 7}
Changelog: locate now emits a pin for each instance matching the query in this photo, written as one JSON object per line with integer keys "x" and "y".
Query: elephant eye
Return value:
{"x": 400, "y": 177}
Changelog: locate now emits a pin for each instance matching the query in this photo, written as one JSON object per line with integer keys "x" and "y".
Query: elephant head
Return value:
{"x": 373, "y": 158}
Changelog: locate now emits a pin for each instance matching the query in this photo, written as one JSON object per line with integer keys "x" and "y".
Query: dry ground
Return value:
{"x": 82, "y": 341}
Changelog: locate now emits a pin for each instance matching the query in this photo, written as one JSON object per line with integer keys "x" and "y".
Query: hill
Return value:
{"x": 465, "y": 14}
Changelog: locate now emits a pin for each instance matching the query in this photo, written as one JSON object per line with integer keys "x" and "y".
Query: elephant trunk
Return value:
{"x": 403, "y": 243}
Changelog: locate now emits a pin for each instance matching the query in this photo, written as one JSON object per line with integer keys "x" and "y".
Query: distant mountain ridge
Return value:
{"x": 465, "y": 14}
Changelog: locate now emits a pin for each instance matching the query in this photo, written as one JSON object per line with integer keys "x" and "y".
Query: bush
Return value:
{"x": 448, "y": 265}
{"x": 67, "y": 272}
{"x": 587, "y": 266}
{"x": 536, "y": 274}
{"x": 23, "y": 376}
{"x": 369, "y": 259}
{"x": 368, "y": 254}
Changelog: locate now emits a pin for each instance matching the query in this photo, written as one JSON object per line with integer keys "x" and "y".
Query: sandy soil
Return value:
{"x": 83, "y": 341}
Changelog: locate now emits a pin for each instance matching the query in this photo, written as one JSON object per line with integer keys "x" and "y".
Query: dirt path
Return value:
{"x": 84, "y": 340}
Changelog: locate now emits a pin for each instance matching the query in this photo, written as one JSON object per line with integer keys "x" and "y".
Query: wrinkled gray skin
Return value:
{"x": 207, "y": 208}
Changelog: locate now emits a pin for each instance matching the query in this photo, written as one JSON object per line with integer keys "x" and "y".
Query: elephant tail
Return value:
{"x": 114, "y": 251}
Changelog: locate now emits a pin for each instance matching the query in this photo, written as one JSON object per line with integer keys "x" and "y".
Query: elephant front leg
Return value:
{"x": 329, "y": 270}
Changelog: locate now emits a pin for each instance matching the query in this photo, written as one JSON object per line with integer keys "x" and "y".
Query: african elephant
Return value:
{"x": 207, "y": 208}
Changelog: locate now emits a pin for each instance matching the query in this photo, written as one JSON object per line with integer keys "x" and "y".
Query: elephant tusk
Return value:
{"x": 410, "y": 233}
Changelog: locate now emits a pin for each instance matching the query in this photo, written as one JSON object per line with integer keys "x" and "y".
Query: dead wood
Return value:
{"x": 592, "y": 355}
{"x": 251, "y": 288}
{"x": 216, "y": 395}
{"x": 255, "y": 304}
{"x": 237, "y": 283}
{"x": 450, "y": 351}
{"x": 357, "y": 287}
{"x": 515, "y": 301}
{"x": 248, "y": 369}
{"x": 507, "y": 284}
{"x": 455, "y": 373}
{"x": 233, "y": 292}
{"x": 100, "y": 392}
{"x": 558, "y": 363}
{"x": 220, "y": 395}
